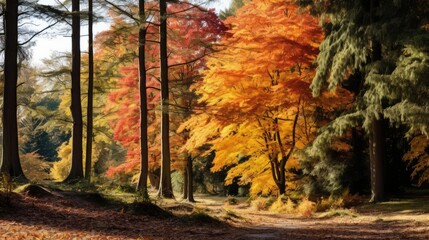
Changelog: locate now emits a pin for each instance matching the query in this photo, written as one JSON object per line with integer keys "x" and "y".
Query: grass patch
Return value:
{"x": 34, "y": 190}
{"x": 280, "y": 206}
{"x": 231, "y": 201}
{"x": 410, "y": 205}
{"x": 148, "y": 209}
{"x": 200, "y": 217}
{"x": 231, "y": 215}
{"x": 262, "y": 203}
{"x": 338, "y": 213}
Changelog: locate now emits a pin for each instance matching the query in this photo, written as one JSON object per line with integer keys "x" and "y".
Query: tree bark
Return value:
{"x": 10, "y": 160}
{"x": 282, "y": 187}
{"x": 190, "y": 177}
{"x": 89, "y": 124}
{"x": 185, "y": 183}
{"x": 165, "y": 188}
{"x": 144, "y": 149}
{"x": 377, "y": 135}
{"x": 281, "y": 183}
{"x": 76, "y": 171}
{"x": 377, "y": 160}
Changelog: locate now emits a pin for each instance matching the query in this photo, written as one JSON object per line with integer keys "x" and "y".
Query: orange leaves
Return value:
{"x": 277, "y": 32}
{"x": 418, "y": 158}
{"x": 191, "y": 33}
{"x": 253, "y": 88}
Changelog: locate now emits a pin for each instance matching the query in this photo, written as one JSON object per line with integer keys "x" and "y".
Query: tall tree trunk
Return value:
{"x": 76, "y": 171}
{"x": 377, "y": 136}
{"x": 10, "y": 163}
{"x": 144, "y": 149}
{"x": 377, "y": 160}
{"x": 185, "y": 183}
{"x": 282, "y": 181}
{"x": 165, "y": 189}
{"x": 190, "y": 176}
{"x": 89, "y": 124}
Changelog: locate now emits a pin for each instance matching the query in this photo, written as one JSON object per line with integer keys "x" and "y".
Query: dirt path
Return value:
{"x": 81, "y": 217}
{"x": 404, "y": 219}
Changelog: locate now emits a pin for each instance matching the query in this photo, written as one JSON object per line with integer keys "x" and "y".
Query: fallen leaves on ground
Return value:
{"x": 73, "y": 217}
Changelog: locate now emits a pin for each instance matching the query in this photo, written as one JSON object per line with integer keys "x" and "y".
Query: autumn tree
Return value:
{"x": 384, "y": 42}
{"x": 256, "y": 93}
{"x": 193, "y": 31}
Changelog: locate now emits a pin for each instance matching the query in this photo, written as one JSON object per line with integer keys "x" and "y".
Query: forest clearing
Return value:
{"x": 214, "y": 119}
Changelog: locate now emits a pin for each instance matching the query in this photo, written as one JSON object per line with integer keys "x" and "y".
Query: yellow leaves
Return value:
{"x": 64, "y": 151}
{"x": 202, "y": 130}
{"x": 252, "y": 90}
{"x": 231, "y": 129}
{"x": 34, "y": 167}
{"x": 263, "y": 184}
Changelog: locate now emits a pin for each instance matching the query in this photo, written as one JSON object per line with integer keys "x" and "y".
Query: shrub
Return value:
{"x": 259, "y": 204}
{"x": 281, "y": 206}
{"x": 346, "y": 200}
{"x": 306, "y": 208}
{"x": 34, "y": 167}
{"x": 231, "y": 201}
{"x": 6, "y": 185}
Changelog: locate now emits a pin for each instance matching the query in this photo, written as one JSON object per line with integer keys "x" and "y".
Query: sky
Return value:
{"x": 46, "y": 45}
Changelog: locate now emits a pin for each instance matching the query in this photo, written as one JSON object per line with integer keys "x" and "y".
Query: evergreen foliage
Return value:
{"x": 394, "y": 86}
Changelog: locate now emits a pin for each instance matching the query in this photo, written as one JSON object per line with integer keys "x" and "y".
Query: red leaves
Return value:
{"x": 191, "y": 34}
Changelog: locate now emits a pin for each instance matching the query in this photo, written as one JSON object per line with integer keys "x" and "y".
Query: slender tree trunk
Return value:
{"x": 377, "y": 135}
{"x": 377, "y": 160}
{"x": 280, "y": 168}
{"x": 282, "y": 188}
{"x": 144, "y": 150}
{"x": 185, "y": 183}
{"x": 190, "y": 176}
{"x": 165, "y": 189}
{"x": 11, "y": 163}
{"x": 282, "y": 181}
{"x": 89, "y": 124}
{"x": 76, "y": 171}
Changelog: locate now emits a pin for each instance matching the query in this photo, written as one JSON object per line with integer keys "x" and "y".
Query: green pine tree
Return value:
{"x": 387, "y": 44}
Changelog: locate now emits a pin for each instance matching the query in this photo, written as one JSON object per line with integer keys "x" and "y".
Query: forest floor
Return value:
{"x": 76, "y": 215}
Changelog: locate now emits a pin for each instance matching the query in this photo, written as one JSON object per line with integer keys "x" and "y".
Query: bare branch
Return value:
{"x": 38, "y": 33}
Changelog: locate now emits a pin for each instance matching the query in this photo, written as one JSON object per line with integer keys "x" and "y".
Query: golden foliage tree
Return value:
{"x": 258, "y": 106}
